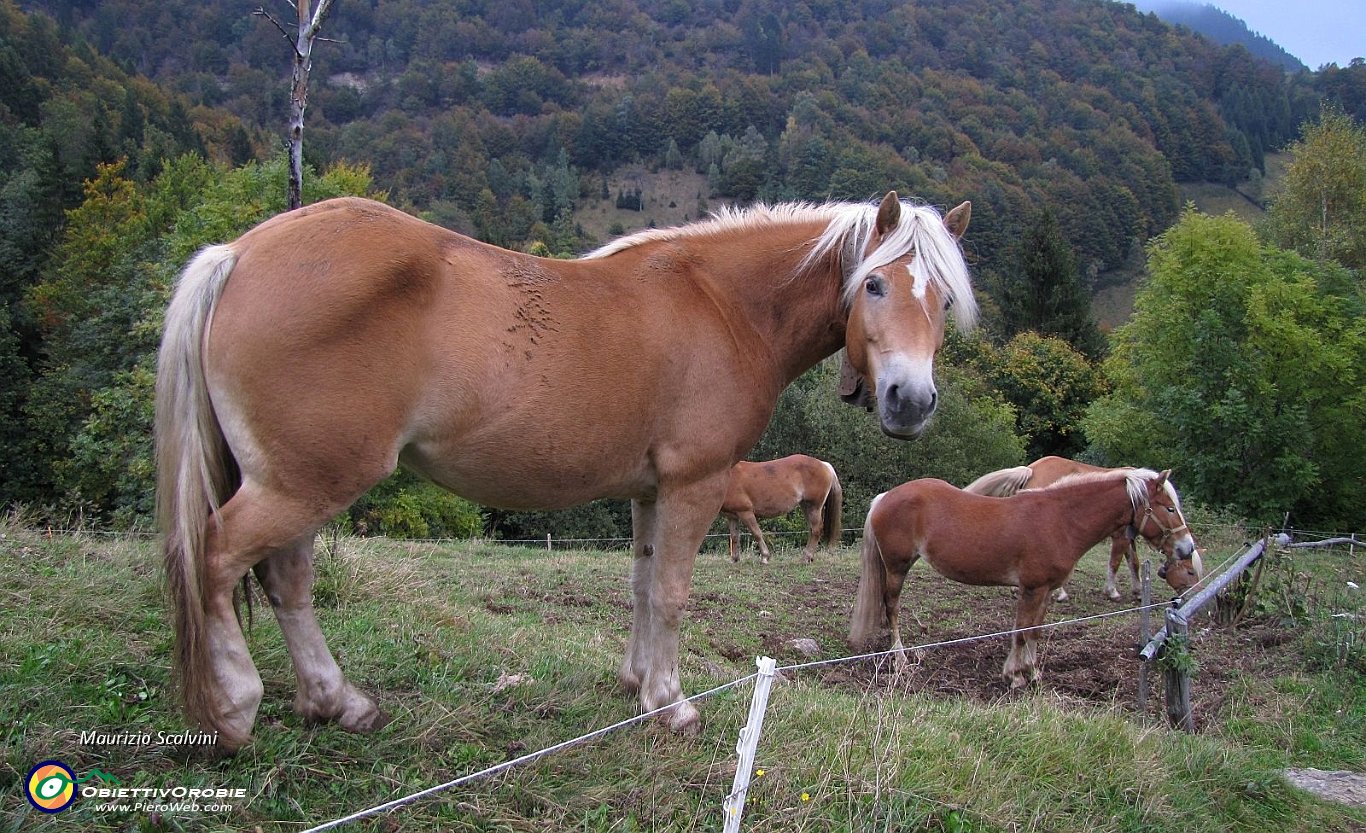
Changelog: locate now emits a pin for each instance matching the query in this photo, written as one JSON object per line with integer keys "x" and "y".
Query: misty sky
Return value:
{"x": 1315, "y": 31}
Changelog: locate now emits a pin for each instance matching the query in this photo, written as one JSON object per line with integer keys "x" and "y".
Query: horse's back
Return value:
{"x": 1049, "y": 470}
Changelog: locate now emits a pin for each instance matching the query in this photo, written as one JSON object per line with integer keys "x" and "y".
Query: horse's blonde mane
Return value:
{"x": 849, "y": 228}
{"x": 1135, "y": 483}
{"x": 727, "y": 218}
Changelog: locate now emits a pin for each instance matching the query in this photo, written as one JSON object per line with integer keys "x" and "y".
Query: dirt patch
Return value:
{"x": 1094, "y": 662}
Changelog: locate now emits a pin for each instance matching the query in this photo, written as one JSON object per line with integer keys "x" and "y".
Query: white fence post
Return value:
{"x": 749, "y": 742}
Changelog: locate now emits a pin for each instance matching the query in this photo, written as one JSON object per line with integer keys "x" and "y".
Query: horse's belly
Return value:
{"x": 515, "y": 475}
{"x": 979, "y": 569}
{"x": 772, "y": 507}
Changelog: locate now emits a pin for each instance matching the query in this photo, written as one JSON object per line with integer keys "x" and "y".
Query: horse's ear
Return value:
{"x": 852, "y": 387}
{"x": 888, "y": 213}
{"x": 956, "y": 221}
{"x": 1163, "y": 477}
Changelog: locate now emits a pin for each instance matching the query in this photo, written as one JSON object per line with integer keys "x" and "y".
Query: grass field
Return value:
{"x": 483, "y": 653}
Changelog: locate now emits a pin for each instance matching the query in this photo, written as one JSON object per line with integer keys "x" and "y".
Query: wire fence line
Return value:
{"x": 772, "y": 670}
{"x": 851, "y": 534}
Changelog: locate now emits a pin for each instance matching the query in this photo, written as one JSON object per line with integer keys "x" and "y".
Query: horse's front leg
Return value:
{"x": 1022, "y": 664}
{"x": 633, "y": 666}
{"x": 733, "y": 524}
{"x": 752, "y": 522}
{"x": 661, "y": 582}
{"x": 1120, "y": 548}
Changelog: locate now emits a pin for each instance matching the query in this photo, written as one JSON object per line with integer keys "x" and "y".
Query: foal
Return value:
{"x": 1182, "y": 568}
{"x": 1031, "y": 541}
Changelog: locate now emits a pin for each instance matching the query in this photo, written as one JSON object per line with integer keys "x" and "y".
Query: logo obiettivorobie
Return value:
{"x": 51, "y": 786}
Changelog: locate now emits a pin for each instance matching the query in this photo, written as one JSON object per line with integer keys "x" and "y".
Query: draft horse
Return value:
{"x": 774, "y": 488}
{"x": 1182, "y": 567}
{"x": 1031, "y": 541}
{"x": 303, "y": 362}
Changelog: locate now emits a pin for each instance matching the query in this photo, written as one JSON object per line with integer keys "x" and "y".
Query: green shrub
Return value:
{"x": 405, "y": 506}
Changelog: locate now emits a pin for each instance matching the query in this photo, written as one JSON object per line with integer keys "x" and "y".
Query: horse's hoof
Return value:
{"x": 372, "y": 721}
{"x": 223, "y": 747}
{"x": 684, "y": 719}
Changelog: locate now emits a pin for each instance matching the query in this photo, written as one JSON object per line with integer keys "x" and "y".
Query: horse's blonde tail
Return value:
{"x": 195, "y": 471}
{"x": 1003, "y": 483}
{"x": 833, "y": 511}
{"x": 870, "y": 612}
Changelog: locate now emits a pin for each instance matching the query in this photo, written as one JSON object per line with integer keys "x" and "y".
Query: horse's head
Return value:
{"x": 909, "y": 274}
{"x": 1160, "y": 521}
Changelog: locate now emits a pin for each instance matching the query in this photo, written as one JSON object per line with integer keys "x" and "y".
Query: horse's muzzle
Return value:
{"x": 904, "y": 410}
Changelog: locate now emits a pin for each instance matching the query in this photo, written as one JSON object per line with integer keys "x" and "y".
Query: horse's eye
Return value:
{"x": 1171, "y": 510}
{"x": 874, "y": 286}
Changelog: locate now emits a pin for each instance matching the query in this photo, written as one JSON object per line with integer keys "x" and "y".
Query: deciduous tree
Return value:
{"x": 1243, "y": 368}
{"x": 1320, "y": 211}
{"x": 308, "y": 31}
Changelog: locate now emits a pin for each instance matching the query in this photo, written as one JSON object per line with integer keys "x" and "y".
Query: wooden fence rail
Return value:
{"x": 1177, "y": 674}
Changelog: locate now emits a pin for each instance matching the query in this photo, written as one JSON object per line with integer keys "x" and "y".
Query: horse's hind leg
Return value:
{"x": 251, "y": 526}
{"x": 734, "y": 526}
{"x": 324, "y": 694}
{"x": 891, "y": 602}
{"x": 815, "y": 524}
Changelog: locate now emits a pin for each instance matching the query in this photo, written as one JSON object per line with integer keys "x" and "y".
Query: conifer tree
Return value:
{"x": 1044, "y": 293}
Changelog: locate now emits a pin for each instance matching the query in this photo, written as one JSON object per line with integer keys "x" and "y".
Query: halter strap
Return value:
{"x": 1150, "y": 515}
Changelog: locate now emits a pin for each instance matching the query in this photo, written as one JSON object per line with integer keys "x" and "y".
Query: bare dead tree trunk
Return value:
{"x": 308, "y": 29}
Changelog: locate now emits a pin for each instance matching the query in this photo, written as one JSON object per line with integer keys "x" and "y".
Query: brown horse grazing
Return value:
{"x": 304, "y": 361}
{"x": 1182, "y": 568}
{"x": 1030, "y": 541}
{"x": 768, "y": 490}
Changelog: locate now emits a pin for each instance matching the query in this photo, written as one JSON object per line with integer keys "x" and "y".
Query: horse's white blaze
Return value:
{"x": 922, "y": 280}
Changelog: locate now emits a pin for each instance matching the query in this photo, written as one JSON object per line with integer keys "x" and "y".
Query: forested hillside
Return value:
{"x": 132, "y": 131}
{"x": 1220, "y": 27}
{"x": 495, "y": 116}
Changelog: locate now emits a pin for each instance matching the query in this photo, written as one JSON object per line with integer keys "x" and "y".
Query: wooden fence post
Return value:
{"x": 1177, "y": 674}
{"x": 1144, "y": 634}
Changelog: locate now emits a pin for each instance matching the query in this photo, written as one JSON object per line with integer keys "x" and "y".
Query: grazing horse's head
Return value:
{"x": 1158, "y": 518}
{"x": 904, "y": 270}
